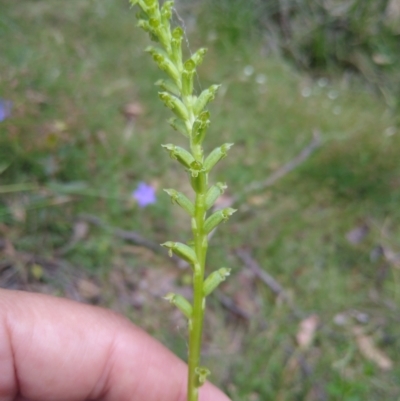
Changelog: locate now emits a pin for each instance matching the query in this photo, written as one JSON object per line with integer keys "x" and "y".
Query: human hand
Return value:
{"x": 54, "y": 349}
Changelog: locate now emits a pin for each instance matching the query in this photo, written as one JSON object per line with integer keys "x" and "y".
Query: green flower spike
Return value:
{"x": 191, "y": 119}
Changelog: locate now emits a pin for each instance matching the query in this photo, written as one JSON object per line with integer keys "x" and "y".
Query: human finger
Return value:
{"x": 54, "y": 349}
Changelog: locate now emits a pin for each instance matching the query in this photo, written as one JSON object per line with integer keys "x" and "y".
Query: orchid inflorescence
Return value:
{"x": 191, "y": 119}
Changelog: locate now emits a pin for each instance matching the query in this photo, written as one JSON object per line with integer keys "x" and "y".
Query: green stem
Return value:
{"x": 188, "y": 109}
{"x": 196, "y": 322}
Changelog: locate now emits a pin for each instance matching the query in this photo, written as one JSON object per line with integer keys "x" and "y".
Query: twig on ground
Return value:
{"x": 130, "y": 236}
{"x": 231, "y": 306}
{"x": 283, "y": 170}
{"x": 266, "y": 278}
{"x": 275, "y": 176}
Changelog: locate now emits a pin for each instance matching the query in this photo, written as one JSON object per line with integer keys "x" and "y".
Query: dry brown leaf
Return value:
{"x": 369, "y": 350}
{"x": 307, "y": 329}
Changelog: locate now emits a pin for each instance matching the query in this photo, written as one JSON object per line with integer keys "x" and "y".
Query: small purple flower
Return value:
{"x": 5, "y": 109}
{"x": 144, "y": 194}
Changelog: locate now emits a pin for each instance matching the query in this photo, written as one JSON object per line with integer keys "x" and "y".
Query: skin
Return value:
{"x": 54, "y": 349}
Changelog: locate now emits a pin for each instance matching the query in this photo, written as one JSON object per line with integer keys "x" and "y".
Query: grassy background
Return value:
{"x": 70, "y": 69}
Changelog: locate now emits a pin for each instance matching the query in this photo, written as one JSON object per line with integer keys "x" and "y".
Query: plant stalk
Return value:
{"x": 196, "y": 322}
{"x": 192, "y": 120}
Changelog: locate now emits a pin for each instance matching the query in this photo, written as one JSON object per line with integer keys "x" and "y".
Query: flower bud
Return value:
{"x": 166, "y": 11}
{"x": 180, "y": 154}
{"x": 164, "y": 36}
{"x": 175, "y": 105}
{"x": 181, "y": 303}
{"x": 179, "y": 126}
{"x": 205, "y": 97}
{"x": 200, "y": 127}
{"x": 144, "y": 24}
{"x": 189, "y": 69}
{"x": 218, "y": 217}
{"x": 201, "y": 375}
{"x": 181, "y": 200}
{"x": 177, "y": 34}
{"x": 154, "y": 22}
{"x": 214, "y": 193}
{"x": 216, "y": 155}
{"x": 164, "y": 31}
{"x": 198, "y": 178}
{"x": 163, "y": 62}
{"x": 195, "y": 168}
{"x": 198, "y": 182}
{"x": 215, "y": 279}
{"x": 176, "y": 45}
{"x": 181, "y": 250}
{"x": 168, "y": 86}
{"x": 198, "y": 56}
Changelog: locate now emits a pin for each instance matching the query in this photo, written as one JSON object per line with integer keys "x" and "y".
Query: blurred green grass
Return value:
{"x": 70, "y": 69}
